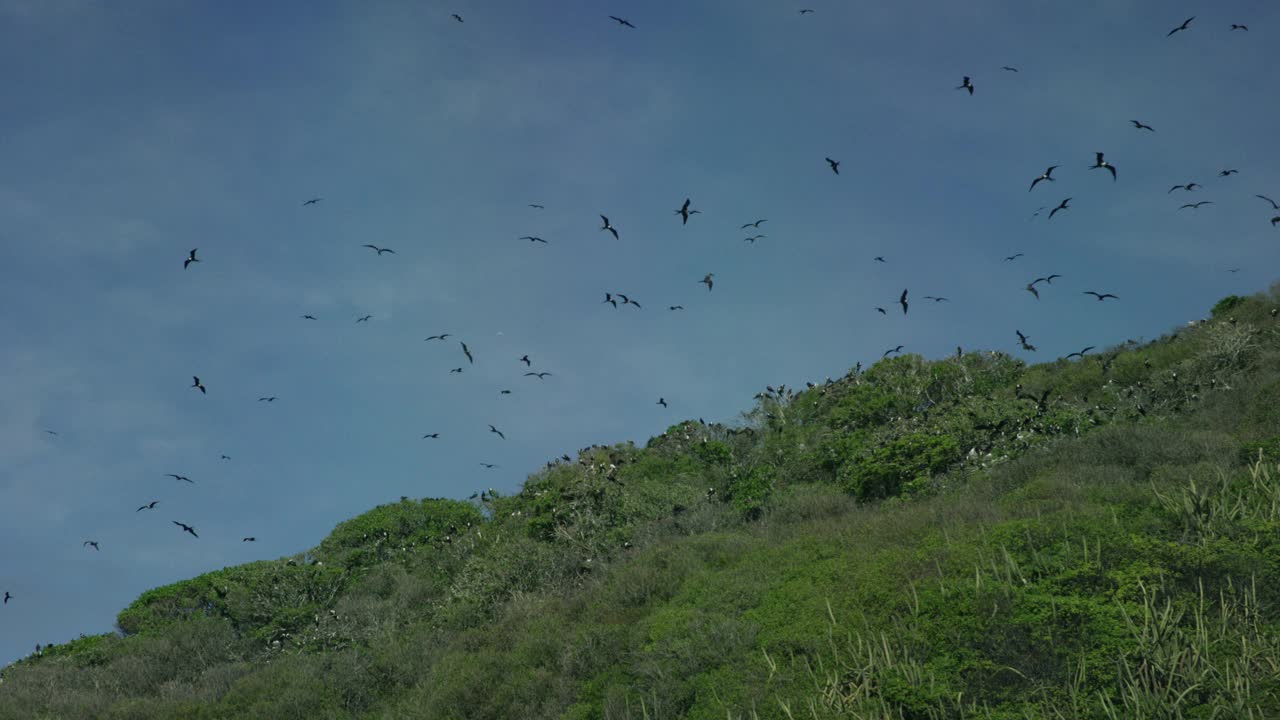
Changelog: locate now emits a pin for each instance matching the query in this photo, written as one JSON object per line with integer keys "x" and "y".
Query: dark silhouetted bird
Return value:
{"x": 609, "y": 227}
{"x": 7, "y": 597}
{"x": 620, "y": 21}
{"x": 379, "y": 250}
{"x": 467, "y": 351}
{"x": 708, "y": 281}
{"x": 1061, "y": 206}
{"x": 1101, "y": 163}
{"x": 272, "y": 398}
{"x": 1031, "y": 288}
{"x": 1275, "y": 221}
{"x": 608, "y": 298}
{"x": 1234, "y": 26}
{"x": 966, "y": 85}
{"x": 1142, "y": 126}
{"x": 684, "y": 212}
{"x": 676, "y": 307}
{"x": 891, "y": 351}
{"x": 149, "y": 506}
{"x": 186, "y": 528}
{"x": 936, "y": 299}
{"x": 536, "y": 206}
{"x": 312, "y": 201}
{"x": 1196, "y": 206}
{"x": 755, "y": 224}
{"x": 249, "y": 539}
{"x": 753, "y": 238}
{"x": 181, "y": 478}
{"x": 191, "y": 257}
{"x": 1014, "y": 256}
{"x": 1080, "y": 354}
{"x": 539, "y": 375}
{"x": 1009, "y": 68}
{"x": 1100, "y": 296}
{"x": 879, "y": 258}
{"x": 457, "y": 17}
{"x": 531, "y": 238}
{"x": 1185, "y": 24}
{"x": 902, "y": 300}
{"x": 364, "y": 318}
{"x": 497, "y": 432}
{"x": 195, "y": 383}
{"x": 488, "y": 466}
{"x": 456, "y": 370}
{"x": 1022, "y": 340}
{"x": 437, "y": 337}
{"x": 91, "y": 543}
{"x": 1189, "y": 187}
{"x": 628, "y": 301}
{"x": 835, "y": 165}
{"x": 1274, "y": 205}
{"x": 662, "y": 402}
{"x": 882, "y": 311}
{"x": 526, "y": 361}
{"x": 1228, "y": 173}
{"x": 308, "y": 317}
{"x": 1046, "y": 175}
{"x": 805, "y": 11}
{"x": 434, "y": 435}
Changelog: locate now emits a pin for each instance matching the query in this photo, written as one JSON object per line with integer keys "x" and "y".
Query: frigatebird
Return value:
{"x": 437, "y": 337}
{"x": 891, "y": 351}
{"x": 1101, "y": 163}
{"x": 662, "y": 402}
{"x": 149, "y": 506}
{"x": 902, "y": 300}
{"x": 191, "y": 257}
{"x": 609, "y": 227}
{"x": 182, "y": 478}
{"x": 966, "y": 85}
{"x": 620, "y": 21}
{"x": 497, "y": 432}
{"x": 1061, "y": 206}
{"x": 195, "y": 383}
{"x": 1046, "y": 175}
{"x": 1183, "y": 26}
{"x": 467, "y": 351}
{"x": 835, "y": 165}
{"x": 1022, "y": 339}
{"x": 708, "y": 281}
{"x": 1100, "y": 296}
{"x": 1142, "y": 126}
{"x": 1080, "y": 354}
{"x": 186, "y": 528}
{"x": 379, "y": 250}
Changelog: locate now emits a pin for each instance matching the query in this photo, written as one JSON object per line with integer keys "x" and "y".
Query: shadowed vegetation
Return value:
{"x": 962, "y": 538}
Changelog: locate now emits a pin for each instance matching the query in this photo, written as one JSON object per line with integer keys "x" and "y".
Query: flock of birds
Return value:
{"x": 685, "y": 211}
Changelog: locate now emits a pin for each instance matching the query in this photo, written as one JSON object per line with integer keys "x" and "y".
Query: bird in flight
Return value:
{"x": 456, "y": 370}
{"x": 539, "y": 375}
{"x": 1189, "y": 187}
{"x": 1046, "y": 175}
{"x": 308, "y": 317}
{"x": 936, "y": 299}
{"x": 684, "y": 212}
{"x": 878, "y": 258}
{"x": 753, "y": 238}
{"x": 1022, "y": 340}
{"x": 676, "y": 307}
{"x": 609, "y": 227}
{"x": 966, "y": 85}
{"x": 708, "y": 281}
{"x": 1014, "y": 256}
{"x": 379, "y": 250}
{"x": 628, "y": 301}
{"x": 7, "y": 597}
{"x": 1031, "y": 288}
{"x": 1275, "y": 221}
{"x": 1100, "y": 296}
{"x": 902, "y": 300}
{"x": 1235, "y": 26}
{"x": 835, "y": 165}
{"x": 457, "y": 17}
{"x": 1101, "y": 163}
{"x": 608, "y": 298}
{"x": 271, "y": 398}
{"x": 312, "y": 201}
{"x": 488, "y": 466}
{"x": 662, "y": 402}
{"x": 1274, "y": 205}
{"x": 1049, "y": 279}
{"x": 755, "y": 224}
{"x": 186, "y": 528}
{"x": 50, "y": 432}
{"x": 91, "y": 543}
{"x": 191, "y": 257}
{"x": 531, "y": 238}
{"x": 1185, "y": 24}
{"x": 1009, "y": 68}
{"x": 620, "y": 21}
{"x": 149, "y": 506}
{"x": 882, "y": 311}
{"x": 526, "y": 361}
{"x": 437, "y": 337}
{"x": 1061, "y": 206}
{"x": 224, "y": 457}
{"x": 1196, "y": 206}
{"x": 363, "y": 318}
{"x": 249, "y": 539}
{"x": 434, "y": 435}
{"x": 504, "y": 392}
{"x": 182, "y": 478}
{"x": 805, "y": 11}
{"x": 1080, "y": 354}
{"x": 195, "y": 383}
{"x": 891, "y": 351}
{"x": 497, "y": 432}
{"x": 467, "y": 351}
{"x": 1227, "y": 173}
{"x": 1142, "y": 126}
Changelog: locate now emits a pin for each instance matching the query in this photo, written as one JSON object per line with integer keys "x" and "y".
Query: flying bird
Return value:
{"x": 1049, "y": 279}
{"x": 755, "y": 224}
{"x": 1100, "y": 296}
{"x": 467, "y": 351}
{"x": 272, "y": 398}
{"x": 620, "y": 21}
{"x": 608, "y": 298}
{"x": 1080, "y": 354}
{"x": 1022, "y": 340}
{"x": 437, "y": 337}
{"x": 891, "y": 351}
{"x": 1009, "y": 68}
{"x": 676, "y": 307}
{"x": 684, "y": 212}
{"x": 1274, "y": 205}
{"x": 537, "y": 206}
{"x": 526, "y": 361}
{"x": 1196, "y": 206}
{"x": 1183, "y": 26}
{"x": 312, "y": 201}
{"x": 966, "y": 85}
{"x": 497, "y": 432}
{"x": 708, "y": 281}
{"x": 191, "y": 257}
{"x": 91, "y": 543}
{"x": 1234, "y": 26}
{"x": 878, "y": 258}
{"x": 504, "y": 392}
{"x": 363, "y": 318}
{"x": 488, "y": 466}
{"x": 1061, "y": 206}
{"x": 882, "y": 311}
{"x": 531, "y": 238}
{"x": 308, "y": 317}
{"x": 1142, "y": 126}
{"x": 1046, "y": 175}
{"x": 457, "y": 17}
{"x": 936, "y": 299}
{"x": 1275, "y": 221}
{"x": 1227, "y": 173}
{"x": 753, "y": 238}
{"x": 609, "y": 227}
{"x": 662, "y": 402}
{"x": 186, "y": 528}
{"x": 628, "y": 301}
{"x": 182, "y": 478}
{"x": 805, "y": 11}
{"x": 195, "y": 383}
{"x": 379, "y": 250}
{"x": 249, "y": 539}
{"x": 539, "y": 375}
{"x": 835, "y": 165}
{"x": 149, "y": 506}
{"x": 224, "y": 457}
{"x": 434, "y": 435}
{"x": 456, "y": 370}
{"x": 1101, "y": 163}
{"x": 1031, "y": 288}
{"x": 7, "y": 597}
{"x": 1014, "y": 256}
{"x": 902, "y": 300}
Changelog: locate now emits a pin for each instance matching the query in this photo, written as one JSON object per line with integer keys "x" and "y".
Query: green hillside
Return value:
{"x": 969, "y": 537}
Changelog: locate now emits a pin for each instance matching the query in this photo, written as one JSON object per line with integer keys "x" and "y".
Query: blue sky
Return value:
{"x": 133, "y": 132}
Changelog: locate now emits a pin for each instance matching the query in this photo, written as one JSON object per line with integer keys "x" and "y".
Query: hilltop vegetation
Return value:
{"x": 969, "y": 537}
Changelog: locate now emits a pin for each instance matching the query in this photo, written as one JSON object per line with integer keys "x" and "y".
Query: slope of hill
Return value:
{"x": 964, "y": 538}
